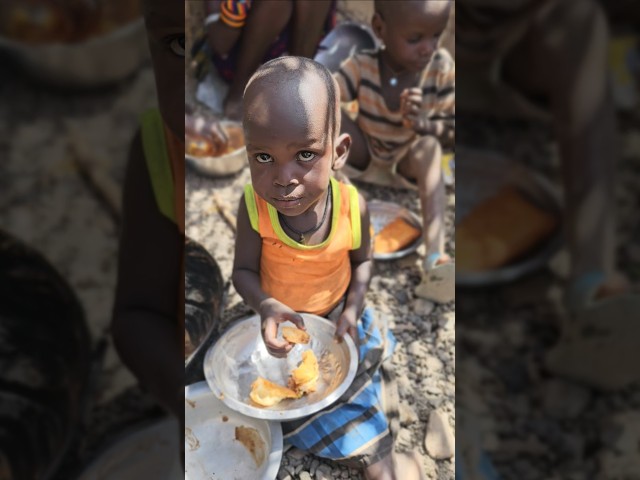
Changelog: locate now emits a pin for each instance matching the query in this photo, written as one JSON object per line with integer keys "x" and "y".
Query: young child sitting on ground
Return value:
{"x": 303, "y": 245}
{"x": 406, "y": 102}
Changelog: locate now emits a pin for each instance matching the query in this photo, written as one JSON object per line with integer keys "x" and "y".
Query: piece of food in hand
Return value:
{"x": 304, "y": 378}
{"x": 395, "y": 236}
{"x": 253, "y": 442}
{"x": 267, "y": 394}
{"x": 500, "y": 230}
{"x": 295, "y": 335}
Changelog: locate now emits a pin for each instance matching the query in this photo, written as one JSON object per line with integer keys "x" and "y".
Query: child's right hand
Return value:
{"x": 273, "y": 313}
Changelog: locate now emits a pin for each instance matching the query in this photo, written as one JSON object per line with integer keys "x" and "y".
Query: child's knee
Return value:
{"x": 425, "y": 150}
{"x": 565, "y": 28}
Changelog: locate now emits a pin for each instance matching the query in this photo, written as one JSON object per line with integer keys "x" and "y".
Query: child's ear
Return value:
{"x": 377, "y": 25}
{"x": 343, "y": 145}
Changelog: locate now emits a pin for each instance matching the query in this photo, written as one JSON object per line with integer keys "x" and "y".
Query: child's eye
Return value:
{"x": 306, "y": 156}
{"x": 177, "y": 44}
{"x": 415, "y": 39}
{"x": 263, "y": 158}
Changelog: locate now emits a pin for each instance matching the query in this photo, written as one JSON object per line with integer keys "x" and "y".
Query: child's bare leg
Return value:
{"x": 264, "y": 23}
{"x": 309, "y": 18}
{"x": 424, "y": 165}
{"x": 571, "y": 41}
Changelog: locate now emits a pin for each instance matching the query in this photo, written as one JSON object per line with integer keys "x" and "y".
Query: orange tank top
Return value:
{"x": 307, "y": 278}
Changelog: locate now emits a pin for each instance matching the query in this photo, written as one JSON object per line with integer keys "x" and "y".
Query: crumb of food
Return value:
{"x": 191, "y": 439}
{"x": 253, "y": 442}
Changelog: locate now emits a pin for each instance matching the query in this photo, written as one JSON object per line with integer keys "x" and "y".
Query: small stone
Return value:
{"x": 448, "y": 321}
{"x": 402, "y": 297}
{"x": 314, "y": 466}
{"x": 404, "y": 385}
{"x": 404, "y": 438}
{"x": 416, "y": 349}
{"x": 299, "y": 469}
{"x": 422, "y": 306}
{"x": 407, "y": 414}
{"x": 305, "y": 476}
{"x": 345, "y": 474}
{"x": 439, "y": 440}
{"x": 296, "y": 453}
{"x": 433, "y": 364}
{"x": 323, "y": 472}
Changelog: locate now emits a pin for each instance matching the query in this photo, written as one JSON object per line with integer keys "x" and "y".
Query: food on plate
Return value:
{"x": 499, "y": 230}
{"x": 204, "y": 137}
{"x": 199, "y": 147}
{"x": 395, "y": 236}
{"x": 253, "y": 442}
{"x": 295, "y": 335}
{"x": 304, "y": 378}
{"x": 267, "y": 394}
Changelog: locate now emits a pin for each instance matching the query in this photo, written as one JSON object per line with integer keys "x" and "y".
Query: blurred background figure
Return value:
{"x": 243, "y": 34}
{"x": 69, "y": 404}
{"x": 537, "y": 85}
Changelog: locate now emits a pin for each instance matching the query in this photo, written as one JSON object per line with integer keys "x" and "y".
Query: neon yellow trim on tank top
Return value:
{"x": 156, "y": 156}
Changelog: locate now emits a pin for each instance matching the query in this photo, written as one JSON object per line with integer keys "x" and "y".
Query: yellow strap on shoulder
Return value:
{"x": 158, "y": 163}
{"x": 252, "y": 208}
{"x": 356, "y": 227}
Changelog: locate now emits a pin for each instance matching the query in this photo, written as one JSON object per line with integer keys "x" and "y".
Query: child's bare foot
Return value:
{"x": 397, "y": 466}
{"x": 438, "y": 279}
{"x": 588, "y": 289}
{"x": 600, "y": 337}
{"x": 382, "y": 470}
{"x": 409, "y": 466}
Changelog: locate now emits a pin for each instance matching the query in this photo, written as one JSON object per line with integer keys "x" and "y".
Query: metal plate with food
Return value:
{"x": 222, "y": 443}
{"x": 236, "y": 362}
{"x": 96, "y": 61}
{"x": 148, "y": 451}
{"x": 508, "y": 219}
{"x": 217, "y": 160}
{"x": 397, "y": 230}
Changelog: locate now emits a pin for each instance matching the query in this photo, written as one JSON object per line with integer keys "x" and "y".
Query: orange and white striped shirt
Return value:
{"x": 359, "y": 79}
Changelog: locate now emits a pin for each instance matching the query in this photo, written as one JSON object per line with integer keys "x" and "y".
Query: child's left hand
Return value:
{"x": 413, "y": 116}
{"x": 348, "y": 324}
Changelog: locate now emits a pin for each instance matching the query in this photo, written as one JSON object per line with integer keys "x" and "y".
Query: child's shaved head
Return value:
{"x": 391, "y": 10}
{"x": 286, "y": 78}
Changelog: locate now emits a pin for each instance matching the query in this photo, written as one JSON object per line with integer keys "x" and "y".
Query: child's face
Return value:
{"x": 410, "y": 32}
{"x": 165, "y": 31}
{"x": 289, "y": 144}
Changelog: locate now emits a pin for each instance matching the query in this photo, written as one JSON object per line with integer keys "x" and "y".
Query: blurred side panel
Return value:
{"x": 547, "y": 234}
